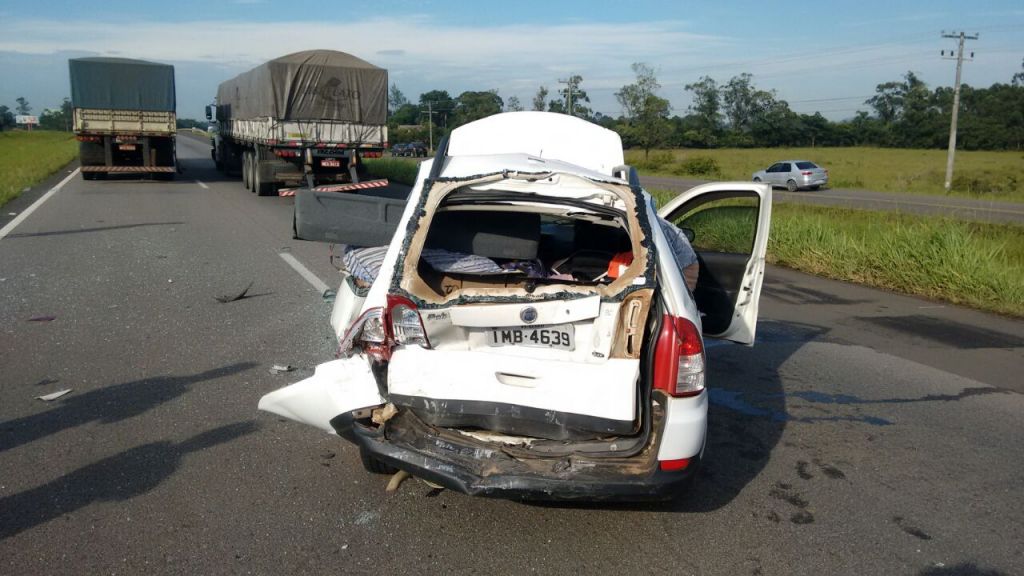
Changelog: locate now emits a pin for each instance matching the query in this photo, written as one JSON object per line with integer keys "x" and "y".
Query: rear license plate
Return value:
{"x": 126, "y": 147}
{"x": 330, "y": 163}
{"x": 558, "y": 336}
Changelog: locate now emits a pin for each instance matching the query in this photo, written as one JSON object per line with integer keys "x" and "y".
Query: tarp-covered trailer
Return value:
{"x": 124, "y": 116}
{"x": 304, "y": 118}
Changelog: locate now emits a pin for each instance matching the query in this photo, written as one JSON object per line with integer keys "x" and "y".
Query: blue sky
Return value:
{"x": 815, "y": 55}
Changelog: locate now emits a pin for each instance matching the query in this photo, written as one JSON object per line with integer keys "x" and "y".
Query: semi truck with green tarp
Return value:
{"x": 304, "y": 118}
{"x": 123, "y": 116}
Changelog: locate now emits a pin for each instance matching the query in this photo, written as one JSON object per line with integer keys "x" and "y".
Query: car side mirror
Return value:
{"x": 209, "y": 112}
{"x": 689, "y": 233}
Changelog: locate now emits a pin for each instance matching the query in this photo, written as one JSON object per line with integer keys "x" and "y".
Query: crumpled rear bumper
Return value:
{"x": 471, "y": 467}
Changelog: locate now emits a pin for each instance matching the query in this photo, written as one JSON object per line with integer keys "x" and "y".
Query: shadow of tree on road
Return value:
{"x": 120, "y": 477}
{"x": 107, "y": 404}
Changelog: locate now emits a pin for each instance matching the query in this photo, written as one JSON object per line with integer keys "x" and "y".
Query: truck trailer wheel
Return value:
{"x": 259, "y": 186}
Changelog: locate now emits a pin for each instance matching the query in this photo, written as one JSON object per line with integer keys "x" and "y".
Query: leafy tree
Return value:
{"x": 441, "y": 103}
{"x": 744, "y": 103}
{"x": 540, "y": 99}
{"x": 645, "y": 113}
{"x": 23, "y": 107}
{"x": 706, "y": 109}
{"x": 476, "y": 105}
{"x": 1018, "y": 78}
{"x": 6, "y": 118}
{"x": 396, "y": 99}
{"x": 513, "y": 104}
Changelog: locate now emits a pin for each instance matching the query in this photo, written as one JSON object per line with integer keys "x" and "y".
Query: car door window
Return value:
{"x": 724, "y": 230}
{"x": 784, "y": 167}
{"x": 773, "y": 168}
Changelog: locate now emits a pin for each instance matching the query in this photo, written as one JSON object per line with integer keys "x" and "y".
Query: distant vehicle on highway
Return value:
{"x": 523, "y": 327}
{"x": 416, "y": 150}
{"x": 399, "y": 149}
{"x": 794, "y": 175}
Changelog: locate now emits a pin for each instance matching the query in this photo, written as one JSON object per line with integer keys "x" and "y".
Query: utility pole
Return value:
{"x": 570, "y": 85}
{"x": 430, "y": 123}
{"x": 956, "y": 99}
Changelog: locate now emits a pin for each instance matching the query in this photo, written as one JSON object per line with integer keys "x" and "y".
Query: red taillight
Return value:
{"x": 807, "y": 173}
{"x": 674, "y": 465}
{"x": 404, "y": 322}
{"x": 679, "y": 358}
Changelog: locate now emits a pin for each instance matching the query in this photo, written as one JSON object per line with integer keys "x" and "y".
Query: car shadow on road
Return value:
{"x": 120, "y": 477}
{"x": 741, "y": 433}
{"x": 108, "y": 404}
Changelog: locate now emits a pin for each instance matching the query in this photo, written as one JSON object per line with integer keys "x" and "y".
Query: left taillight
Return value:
{"x": 679, "y": 358}
{"x": 406, "y": 323}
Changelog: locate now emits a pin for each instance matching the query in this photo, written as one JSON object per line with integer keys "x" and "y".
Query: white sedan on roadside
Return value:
{"x": 793, "y": 175}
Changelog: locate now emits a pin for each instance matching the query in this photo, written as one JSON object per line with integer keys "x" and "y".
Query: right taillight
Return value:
{"x": 679, "y": 358}
{"x": 406, "y": 324}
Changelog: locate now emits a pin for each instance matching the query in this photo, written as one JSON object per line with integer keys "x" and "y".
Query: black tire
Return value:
{"x": 245, "y": 169}
{"x": 260, "y": 187}
{"x": 374, "y": 466}
{"x": 791, "y": 186}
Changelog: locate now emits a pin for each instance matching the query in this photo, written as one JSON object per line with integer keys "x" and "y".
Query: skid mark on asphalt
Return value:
{"x": 785, "y": 493}
{"x": 748, "y": 404}
{"x": 910, "y": 529}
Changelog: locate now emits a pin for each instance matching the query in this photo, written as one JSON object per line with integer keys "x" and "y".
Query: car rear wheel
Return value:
{"x": 375, "y": 466}
{"x": 791, "y": 185}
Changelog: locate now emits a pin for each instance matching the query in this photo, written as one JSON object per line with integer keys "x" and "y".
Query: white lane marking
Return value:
{"x": 305, "y": 273}
{"x": 202, "y": 185}
{"x": 14, "y": 223}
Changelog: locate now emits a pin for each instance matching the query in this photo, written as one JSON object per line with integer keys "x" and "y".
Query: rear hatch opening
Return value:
{"x": 529, "y": 301}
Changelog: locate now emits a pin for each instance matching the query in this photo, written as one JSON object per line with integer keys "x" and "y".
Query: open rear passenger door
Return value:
{"x": 728, "y": 225}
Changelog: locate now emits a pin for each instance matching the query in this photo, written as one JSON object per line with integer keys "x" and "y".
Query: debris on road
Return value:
{"x": 53, "y": 395}
{"x": 397, "y": 480}
{"x": 329, "y": 295}
{"x": 42, "y": 319}
{"x": 224, "y": 299}
{"x": 279, "y": 368}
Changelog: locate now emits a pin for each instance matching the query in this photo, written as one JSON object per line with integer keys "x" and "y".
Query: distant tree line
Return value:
{"x": 58, "y": 119}
{"x": 736, "y": 113}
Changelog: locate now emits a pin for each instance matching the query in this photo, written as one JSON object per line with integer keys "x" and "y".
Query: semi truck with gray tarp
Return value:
{"x": 305, "y": 118}
{"x": 123, "y": 116}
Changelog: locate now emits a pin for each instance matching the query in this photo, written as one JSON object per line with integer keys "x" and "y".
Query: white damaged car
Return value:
{"x": 519, "y": 327}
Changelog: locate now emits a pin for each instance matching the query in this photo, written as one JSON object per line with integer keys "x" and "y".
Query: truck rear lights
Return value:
{"x": 406, "y": 324}
{"x": 674, "y": 465}
{"x": 679, "y": 358}
{"x": 284, "y": 153}
{"x": 84, "y": 138}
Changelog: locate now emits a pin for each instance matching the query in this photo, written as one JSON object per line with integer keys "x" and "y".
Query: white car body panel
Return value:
{"x": 744, "y": 323}
{"x": 685, "y": 429}
{"x": 554, "y": 312}
{"x": 605, "y": 390}
{"x": 542, "y": 135}
{"x": 335, "y": 387}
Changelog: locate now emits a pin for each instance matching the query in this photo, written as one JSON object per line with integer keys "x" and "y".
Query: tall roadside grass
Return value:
{"x": 974, "y": 264}
{"x": 978, "y": 174}
{"x": 27, "y": 158}
{"x": 394, "y": 169}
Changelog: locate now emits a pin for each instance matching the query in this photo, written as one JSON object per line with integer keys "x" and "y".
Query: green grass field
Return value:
{"x": 975, "y": 264}
{"x": 400, "y": 170}
{"x": 27, "y": 158}
{"x": 988, "y": 175}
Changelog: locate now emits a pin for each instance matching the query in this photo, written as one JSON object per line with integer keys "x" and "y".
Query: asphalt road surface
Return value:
{"x": 952, "y": 206}
{"x": 865, "y": 433}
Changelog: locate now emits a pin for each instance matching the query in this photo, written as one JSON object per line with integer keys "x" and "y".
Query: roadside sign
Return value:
{"x": 21, "y": 119}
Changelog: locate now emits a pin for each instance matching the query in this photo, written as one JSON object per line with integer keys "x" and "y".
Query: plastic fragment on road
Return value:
{"x": 53, "y": 395}
{"x": 279, "y": 368}
{"x": 397, "y": 480}
{"x": 224, "y": 299}
{"x": 42, "y": 319}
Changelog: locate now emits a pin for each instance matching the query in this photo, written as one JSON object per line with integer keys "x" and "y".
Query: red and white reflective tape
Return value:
{"x": 128, "y": 169}
{"x": 337, "y": 187}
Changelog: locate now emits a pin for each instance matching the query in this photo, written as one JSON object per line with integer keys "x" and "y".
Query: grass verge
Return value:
{"x": 27, "y": 158}
{"x": 969, "y": 263}
{"x": 978, "y": 174}
{"x": 394, "y": 169}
